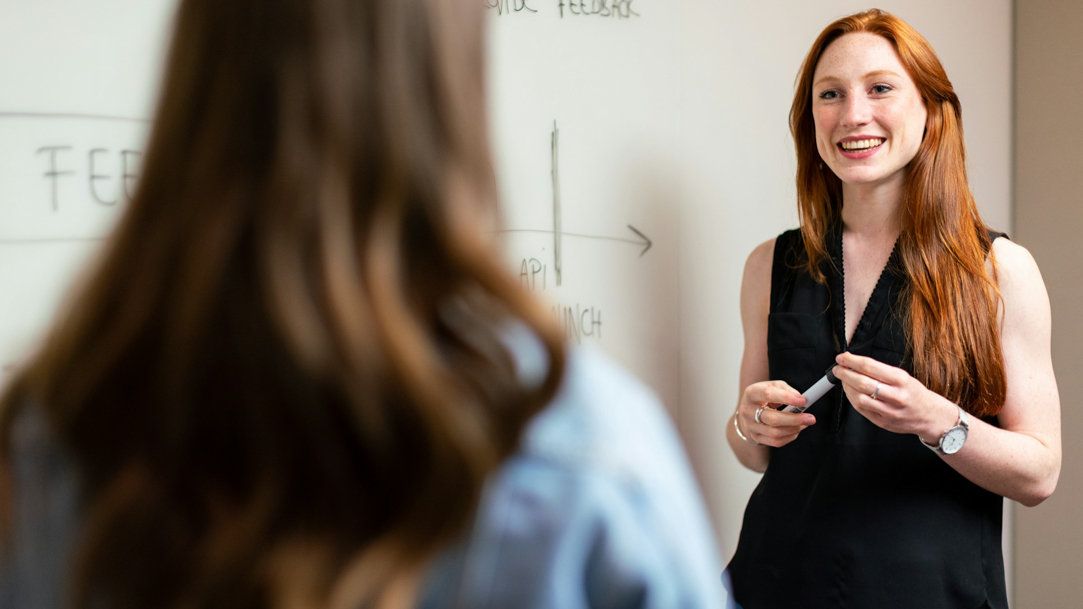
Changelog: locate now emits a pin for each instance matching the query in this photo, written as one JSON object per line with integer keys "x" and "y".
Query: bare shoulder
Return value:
{"x": 760, "y": 259}
{"x": 1015, "y": 266}
{"x": 757, "y": 275}
{"x": 756, "y": 291}
{"x": 1012, "y": 257}
{"x": 1019, "y": 279}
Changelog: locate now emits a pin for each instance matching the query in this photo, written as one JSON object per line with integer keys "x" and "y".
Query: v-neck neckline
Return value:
{"x": 876, "y": 303}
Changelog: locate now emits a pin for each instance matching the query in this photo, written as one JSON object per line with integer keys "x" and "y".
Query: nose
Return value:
{"x": 857, "y": 111}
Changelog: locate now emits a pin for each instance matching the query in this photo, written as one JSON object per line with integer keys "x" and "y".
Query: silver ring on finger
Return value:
{"x": 759, "y": 411}
{"x": 875, "y": 392}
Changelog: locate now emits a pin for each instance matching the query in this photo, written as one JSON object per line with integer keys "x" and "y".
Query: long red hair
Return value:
{"x": 951, "y": 301}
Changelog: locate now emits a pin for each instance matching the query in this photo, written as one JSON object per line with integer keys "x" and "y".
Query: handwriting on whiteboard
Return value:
{"x": 102, "y": 170}
{"x": 505, "y": 7}
{"x": 65, "y": 176}
{"x": 538, "y": 273}
{"x": 578, "y": 321}
{"x": 567, "y": 9}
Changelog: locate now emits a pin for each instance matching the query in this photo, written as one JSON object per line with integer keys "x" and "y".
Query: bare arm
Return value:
{"x": 1021, "y": 459}
{"x": 775, "y": 428}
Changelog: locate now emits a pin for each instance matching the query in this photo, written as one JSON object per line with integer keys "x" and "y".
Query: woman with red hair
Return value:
{"x": 930, "y": 325}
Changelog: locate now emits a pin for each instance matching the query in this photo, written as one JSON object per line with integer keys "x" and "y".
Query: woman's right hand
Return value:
{"x": 772, "y": 427}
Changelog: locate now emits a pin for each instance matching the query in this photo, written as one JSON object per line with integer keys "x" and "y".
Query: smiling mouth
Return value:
{"x": 863, "y": 145}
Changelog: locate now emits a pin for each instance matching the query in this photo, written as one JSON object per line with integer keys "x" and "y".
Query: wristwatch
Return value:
{"x": 953, "y": 439}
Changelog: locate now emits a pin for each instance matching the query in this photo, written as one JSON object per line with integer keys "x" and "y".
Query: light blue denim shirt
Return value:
{"x": 34, "y": 564}
{"x": 598, "y": 508}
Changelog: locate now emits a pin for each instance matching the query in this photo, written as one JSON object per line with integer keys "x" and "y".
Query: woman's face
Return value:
{"x": 869, "y": 116}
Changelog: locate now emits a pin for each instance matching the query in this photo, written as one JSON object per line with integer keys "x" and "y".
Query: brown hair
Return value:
{"x": 287, "y": 378}
{"x": 952, "y": 301}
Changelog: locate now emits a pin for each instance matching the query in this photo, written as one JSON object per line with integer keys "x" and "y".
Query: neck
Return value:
{"x": 873, "y": 210}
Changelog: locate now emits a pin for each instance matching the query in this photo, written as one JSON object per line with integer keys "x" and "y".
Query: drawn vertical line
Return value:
{"x": 555, "y": 170}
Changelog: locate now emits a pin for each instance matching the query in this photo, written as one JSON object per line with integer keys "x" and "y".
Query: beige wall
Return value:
{"x": 1049, "y": 222}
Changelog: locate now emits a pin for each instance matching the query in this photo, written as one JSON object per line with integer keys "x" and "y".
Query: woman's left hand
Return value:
{"x": 892, "y": 399}
{"x": 1020, "y": 456}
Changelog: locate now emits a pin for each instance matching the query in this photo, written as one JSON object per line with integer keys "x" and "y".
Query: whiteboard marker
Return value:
{"x": 817, "y": 391}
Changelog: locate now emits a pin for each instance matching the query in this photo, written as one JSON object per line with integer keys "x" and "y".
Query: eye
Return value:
{"x": 881, "y": 89}
{"x": 828, "y": 94}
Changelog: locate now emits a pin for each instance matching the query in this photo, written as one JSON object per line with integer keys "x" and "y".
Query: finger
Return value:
{"x": 864, "y": 391}
{"x": 853, "y": 379}
{"x": 884, "y": 416}
{"x": 780, "y": 392}
{"x": 780, "y": 437}
{"x": 881, "y": 393}
{"x": 862, "y": 383}
{"x": 860, "y": 363}
{"x": 868, "y": 366}
{"x": 786, "y": 422}
{"x": 790, "y": 420}
{"x": 771, "y": 396}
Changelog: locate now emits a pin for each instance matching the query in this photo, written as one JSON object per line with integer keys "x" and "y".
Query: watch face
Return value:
{"x": 953, "y": 440}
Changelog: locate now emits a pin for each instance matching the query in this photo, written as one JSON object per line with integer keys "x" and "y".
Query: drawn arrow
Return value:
{"x": 639, "y": 239}
{"x": 557, "y": 231}
{"x": 645, "y": 240}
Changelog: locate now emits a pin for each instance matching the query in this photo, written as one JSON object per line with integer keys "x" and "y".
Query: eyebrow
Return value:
{"x": 874, "y": 73}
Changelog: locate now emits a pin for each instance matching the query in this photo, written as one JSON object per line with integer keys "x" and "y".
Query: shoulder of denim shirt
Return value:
{"x": 44, "y": 512}
{"x": 602, "y": 415}
{"x": 599, "y": 484}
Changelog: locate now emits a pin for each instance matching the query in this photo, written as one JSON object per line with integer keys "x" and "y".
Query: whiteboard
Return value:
{"x": 641, "y": 148}
{"x": 584, "y": 106}
{"x": 78, "y": 85}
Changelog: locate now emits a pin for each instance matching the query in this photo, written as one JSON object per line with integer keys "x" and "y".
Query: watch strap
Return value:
{"x": 962, "y": 421}
{"x": 933, "y": 447}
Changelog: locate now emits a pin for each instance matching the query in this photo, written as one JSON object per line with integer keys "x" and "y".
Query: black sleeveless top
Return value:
{"x": 849, "y": 515}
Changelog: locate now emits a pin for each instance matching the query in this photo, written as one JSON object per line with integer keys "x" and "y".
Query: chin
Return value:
{"x": 865, "y": 177}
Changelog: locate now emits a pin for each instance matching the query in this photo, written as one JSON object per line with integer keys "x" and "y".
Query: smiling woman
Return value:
{"x": 934, "y": 325}
{"x": 869, "y": 114}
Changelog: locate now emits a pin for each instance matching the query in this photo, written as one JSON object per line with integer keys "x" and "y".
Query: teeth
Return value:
{"x": 862, "y": 144}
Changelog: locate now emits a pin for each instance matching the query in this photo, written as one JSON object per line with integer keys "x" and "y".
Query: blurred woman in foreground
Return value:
{"x": 300, "y": 376}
